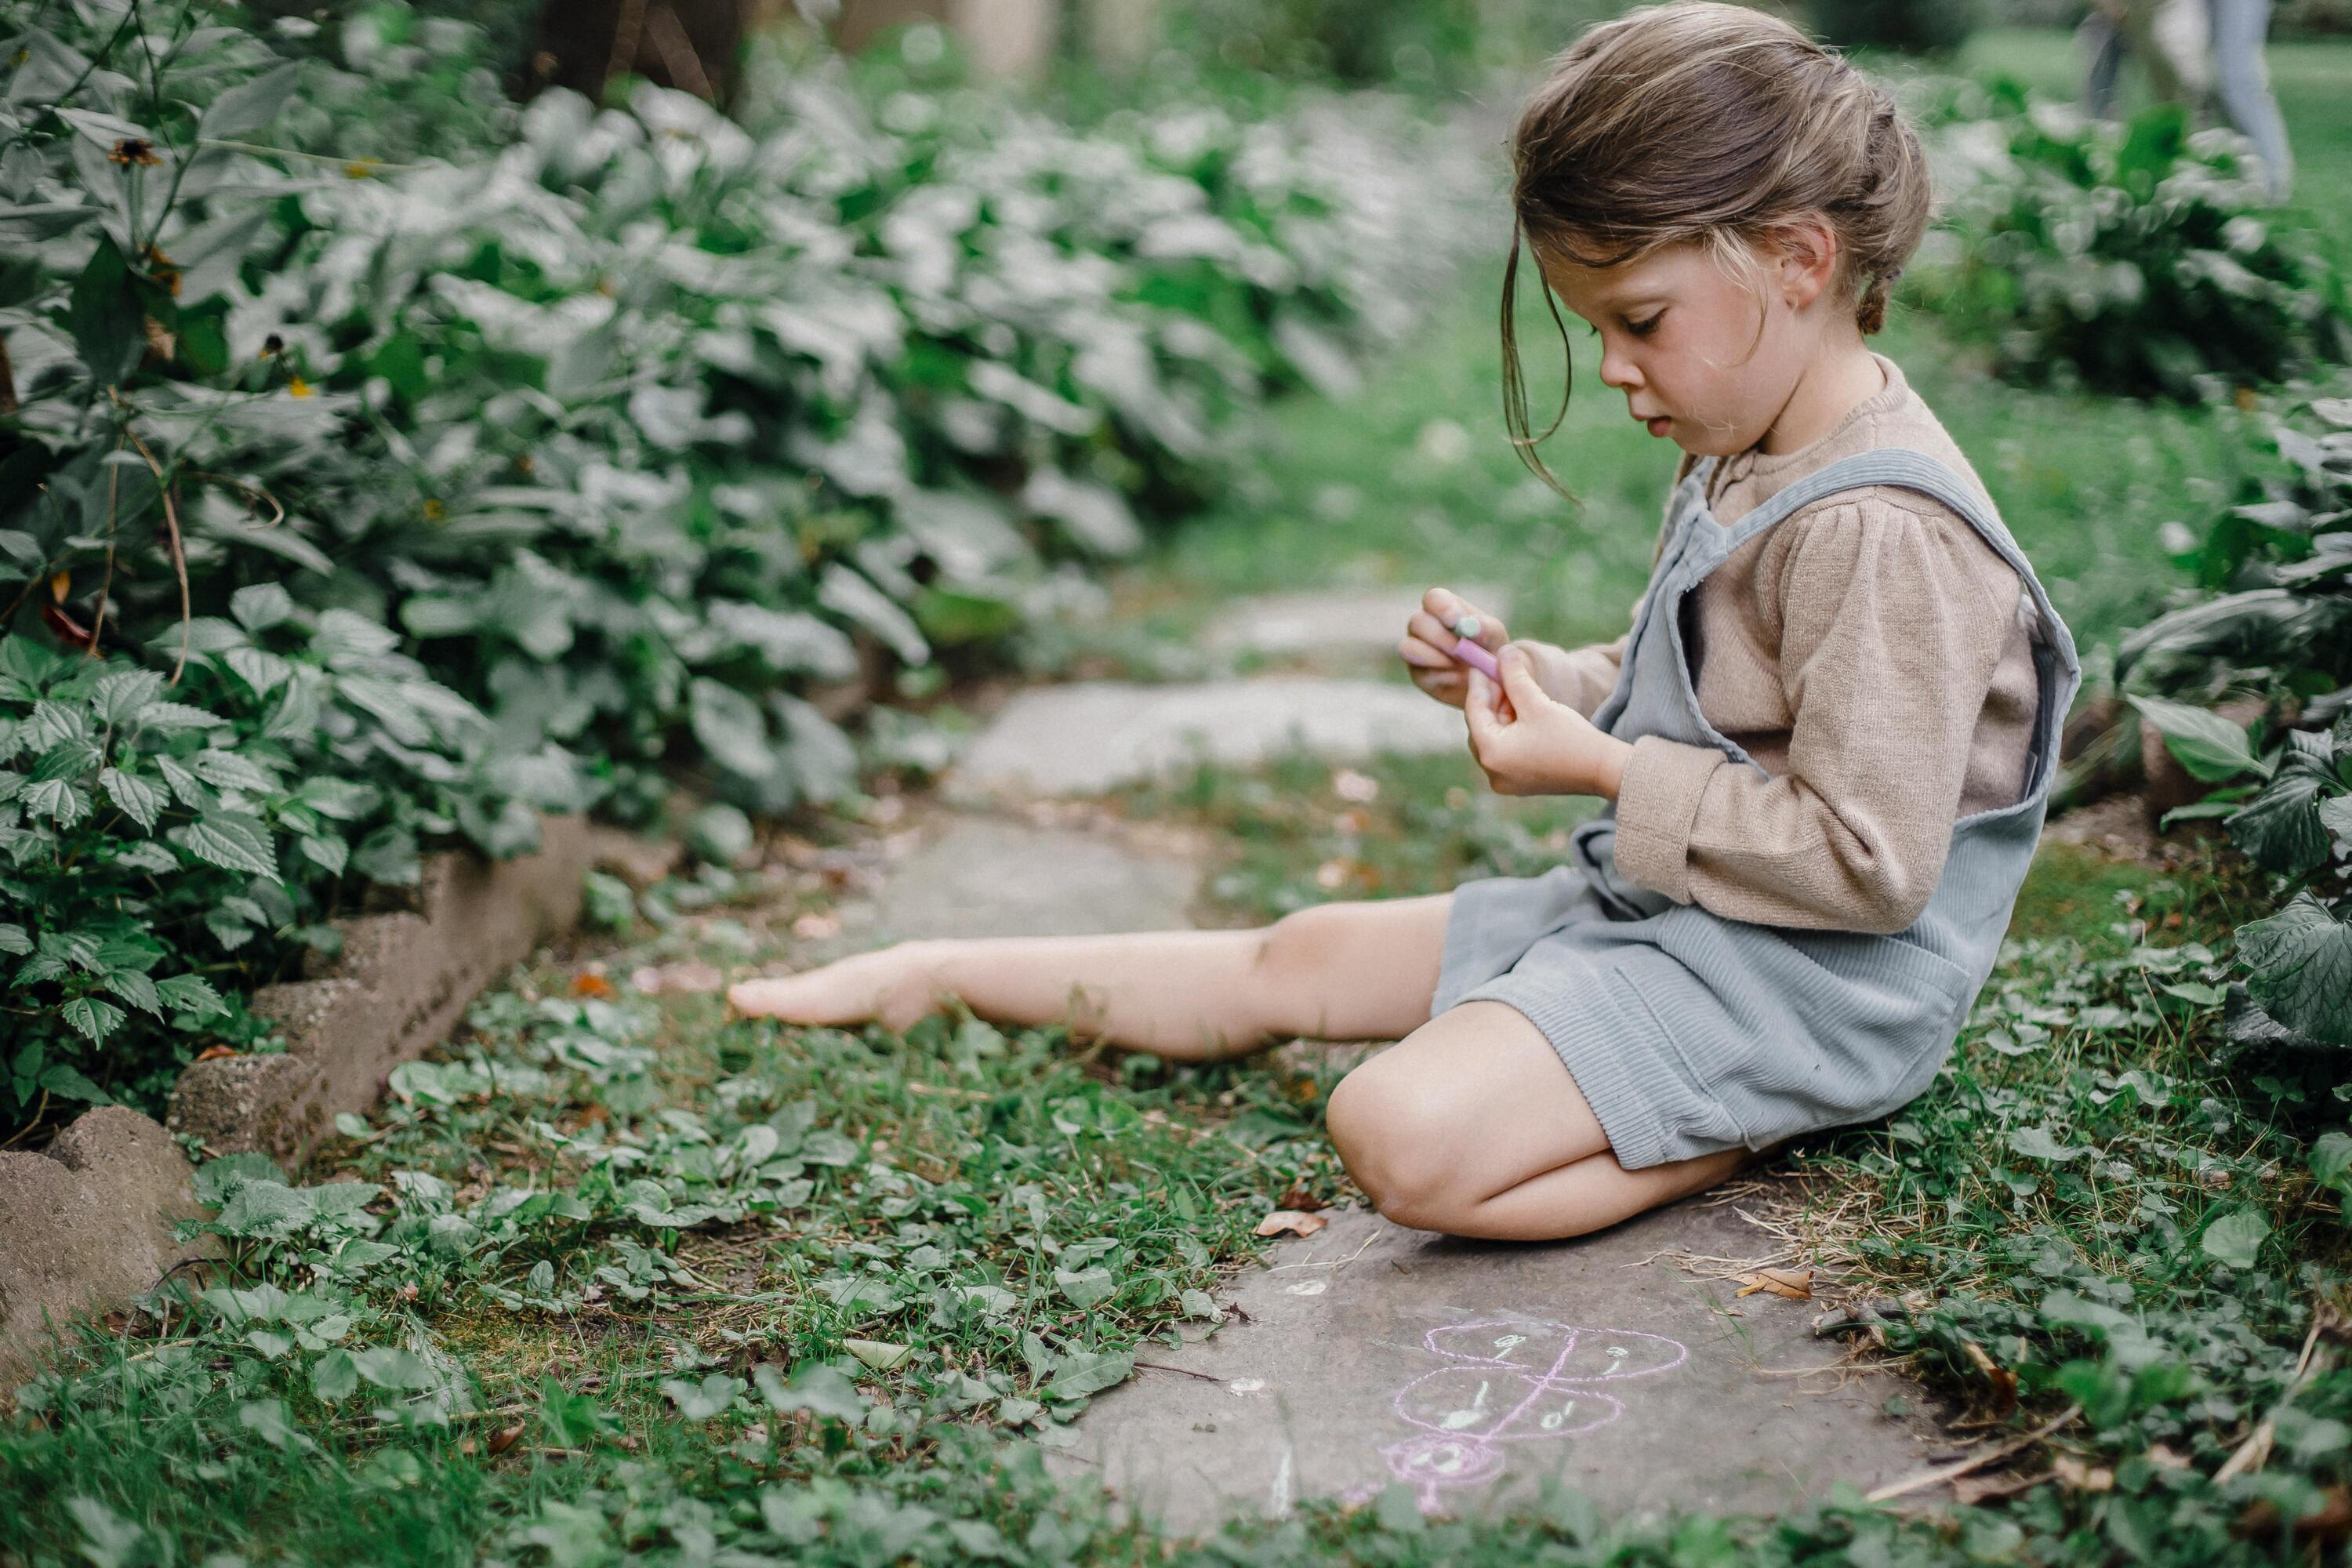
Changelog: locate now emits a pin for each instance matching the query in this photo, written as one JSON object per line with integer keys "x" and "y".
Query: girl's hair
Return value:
{"x": 1711, "y": 124}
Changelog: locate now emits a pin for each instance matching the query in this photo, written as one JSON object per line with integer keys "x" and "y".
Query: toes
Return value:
{"x": 754, "y": 998}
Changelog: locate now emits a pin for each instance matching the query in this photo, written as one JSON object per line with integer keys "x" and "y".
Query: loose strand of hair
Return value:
{"x": 1516, "y": 426}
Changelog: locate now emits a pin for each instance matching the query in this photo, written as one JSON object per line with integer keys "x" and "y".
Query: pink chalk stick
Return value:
{"x": 1478, "y": 658}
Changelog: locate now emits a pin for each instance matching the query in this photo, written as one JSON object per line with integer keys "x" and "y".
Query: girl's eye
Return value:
{"x": 1643, "y": 329}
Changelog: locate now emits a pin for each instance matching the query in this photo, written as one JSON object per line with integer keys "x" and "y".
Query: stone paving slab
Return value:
{"x": 1089, "y": 737}
{"x": 1471, "y": 1370}
{"x": 988, "y": 876}
{"x": 1371, "y": 621}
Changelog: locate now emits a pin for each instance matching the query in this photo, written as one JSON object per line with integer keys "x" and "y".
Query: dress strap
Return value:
{"x": 1899, "y": 466}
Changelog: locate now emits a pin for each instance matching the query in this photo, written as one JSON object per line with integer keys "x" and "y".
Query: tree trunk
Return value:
{"x": 690, "y": 45}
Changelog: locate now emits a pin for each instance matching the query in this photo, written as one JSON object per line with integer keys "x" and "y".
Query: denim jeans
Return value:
{"x": 2241, "y": 85}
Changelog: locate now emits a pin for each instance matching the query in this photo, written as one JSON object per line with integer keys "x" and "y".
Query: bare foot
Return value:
{"x": 886, "y": 987}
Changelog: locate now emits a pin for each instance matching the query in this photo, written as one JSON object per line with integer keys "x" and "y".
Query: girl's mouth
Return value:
{"x": 1660, "y": 425}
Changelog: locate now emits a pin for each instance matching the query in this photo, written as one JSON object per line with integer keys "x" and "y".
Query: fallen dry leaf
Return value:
{"x": 2083, "y": 1477}
{"x": 2003, "y": 1381}
{"x": 2332, "y": 1520}
{"x": 1302, "y": 1200}
{"x": 1794, "y": 1284}
{"x": 1291, "y": 1220}
{"x": 506, "y": 1437}
{"x": 687, "y": 974}
{"x": 2167, "y": 1458}
{"x": 214, "y": 1053}
{"x": 590, "y": 983}
{"x": 1970, "y": 1491}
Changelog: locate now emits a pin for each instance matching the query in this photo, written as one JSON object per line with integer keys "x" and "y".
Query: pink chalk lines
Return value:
{"x": 1517, "y": 1382}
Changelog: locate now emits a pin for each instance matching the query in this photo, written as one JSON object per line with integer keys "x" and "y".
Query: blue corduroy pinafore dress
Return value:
{"x": 1688, "y": 1033}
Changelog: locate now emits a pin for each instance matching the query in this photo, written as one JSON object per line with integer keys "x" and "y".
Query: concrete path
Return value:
{"x": 1092, "y": 736}
{"x": 1369, "y": 1355}
{"x": 1370, "y": 622}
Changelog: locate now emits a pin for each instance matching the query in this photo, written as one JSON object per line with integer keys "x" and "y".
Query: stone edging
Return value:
{"x": 84, "y": 1225}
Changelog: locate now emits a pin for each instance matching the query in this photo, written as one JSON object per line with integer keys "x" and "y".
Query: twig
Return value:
{"x": 677, "y": 51}
{"x": 1181, "y": 1371}
{"x": 628, "y": 29}
{"x": 172, "y": 522}
{"x": 252, "y": 490}
{"x": 2256, "y": 1452}
{"x": 1947, "y": 1472}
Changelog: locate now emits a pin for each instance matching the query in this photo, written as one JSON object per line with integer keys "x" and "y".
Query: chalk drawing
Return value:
{"x": 1516, "y": 1381}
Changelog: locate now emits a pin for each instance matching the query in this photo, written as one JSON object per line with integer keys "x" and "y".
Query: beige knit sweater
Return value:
{"x": 1873, "y": 653}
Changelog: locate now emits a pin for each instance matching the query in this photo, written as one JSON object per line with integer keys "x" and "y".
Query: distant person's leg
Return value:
{"x": 2144, "y": 38}
{"x": 2183, "y": 33}
{"x": 2242, "y": 83}
{"x": 2103, "y": 49}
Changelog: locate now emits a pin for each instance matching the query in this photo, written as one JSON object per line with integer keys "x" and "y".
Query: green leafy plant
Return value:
{"x": 574, "y": 463}
{"x": 2141, "y": 259}
{"x": 2273, "y": 625}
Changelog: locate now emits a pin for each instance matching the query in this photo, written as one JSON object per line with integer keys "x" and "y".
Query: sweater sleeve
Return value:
{"x": 1890, "y": 631}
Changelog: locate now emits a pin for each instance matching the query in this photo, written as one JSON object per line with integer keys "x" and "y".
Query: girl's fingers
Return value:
{"x": 1417, "y": 649}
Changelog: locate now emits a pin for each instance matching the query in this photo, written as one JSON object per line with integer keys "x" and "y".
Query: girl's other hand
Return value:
{"x": 1428, "y": 645}
{"x": 1528, "y": 743}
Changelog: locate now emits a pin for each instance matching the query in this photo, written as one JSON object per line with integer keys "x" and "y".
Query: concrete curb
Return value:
{"x": 85, "y": 1225}
{"x": 405, "y": 979}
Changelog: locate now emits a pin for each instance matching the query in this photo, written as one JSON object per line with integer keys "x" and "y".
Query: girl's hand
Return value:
{"x": 1429, "y": 639}
{"x": 1530, "y": 745}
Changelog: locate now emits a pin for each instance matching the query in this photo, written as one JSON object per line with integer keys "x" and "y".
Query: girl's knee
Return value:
{"x": 1401, "y": 1156}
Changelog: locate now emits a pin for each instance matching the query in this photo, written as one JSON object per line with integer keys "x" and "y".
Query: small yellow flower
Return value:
{"x": 298, "y": 388}
{"x": 434, "y": 510}
{"x": 60, "y": 585}
{"x": 361, "y": 169}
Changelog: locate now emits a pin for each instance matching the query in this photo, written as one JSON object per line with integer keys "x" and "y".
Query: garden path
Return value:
{"x": 1629, "y": 1362}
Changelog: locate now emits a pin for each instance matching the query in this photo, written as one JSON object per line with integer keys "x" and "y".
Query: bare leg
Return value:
{"x": 1471, "y": 1125}
{"x": 1342, "y": 972}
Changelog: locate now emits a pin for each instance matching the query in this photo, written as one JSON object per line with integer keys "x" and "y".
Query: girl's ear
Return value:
{"x": 1809, "y": 259}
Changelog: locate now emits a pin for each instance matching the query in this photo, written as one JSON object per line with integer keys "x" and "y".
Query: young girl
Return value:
{"x": 1827, "y": 740}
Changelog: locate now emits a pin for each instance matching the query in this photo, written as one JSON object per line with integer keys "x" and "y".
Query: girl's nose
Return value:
{"x": 1618, "y": 371}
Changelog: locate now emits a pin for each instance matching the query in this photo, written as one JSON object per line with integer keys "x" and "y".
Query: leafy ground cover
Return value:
{"x": 609, "y": 1280}
{"x": 536, "y": 474}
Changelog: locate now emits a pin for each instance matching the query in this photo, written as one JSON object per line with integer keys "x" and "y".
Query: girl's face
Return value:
{"x": 1703, "y": 357}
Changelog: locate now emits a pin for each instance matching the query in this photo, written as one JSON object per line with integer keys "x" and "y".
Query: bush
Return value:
{"x": 522, "y": 482}
{"x": 2280, "y": 629}
{"x": 1909, "y": 25}
{"x": 2140, "y": 259}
